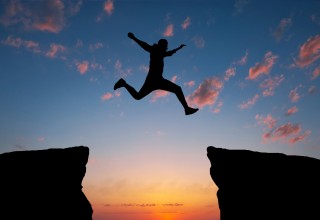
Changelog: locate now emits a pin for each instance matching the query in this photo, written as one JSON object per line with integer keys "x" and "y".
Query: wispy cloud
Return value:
{"x": 218, "y": 107}
{"x": 312, "y": 89}
{"x": 186, "y": 23}
{"x": 283, "y": 26}
{"x": 168, "y": 31}
{"x": 229, "y": 73}
{"x": 207, "y": 93}
{"x": 49, "y": 16}
{"x": 106, "y": 96}
{"x": 269, "y": 85}
{"x": 243, "y": 60}
{"x": 120, "y": 70}
{"x": 55, "y": 49}
{"x": 294, "y": 95}
{"x": 267, "y": 121}
{"x": 108, "y": 7}
{"x": 291, "y": 111}
{"x": 83, "y": 67}
{"x": 189, "y": 84}
{"x": 249, "y": 103}
{"x": 309, "y": 52}
{"x": 18, "y": 42}
{"x": 290, "y": 133}
{"x": 263, "y": 67}
{"x": 316, "y": 73}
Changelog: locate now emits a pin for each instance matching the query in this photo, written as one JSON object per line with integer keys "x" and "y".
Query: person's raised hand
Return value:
{"x": 130, "y": 35}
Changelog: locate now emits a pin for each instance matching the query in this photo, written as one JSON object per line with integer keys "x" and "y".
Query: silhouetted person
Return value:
{"x": 154, "y": 79}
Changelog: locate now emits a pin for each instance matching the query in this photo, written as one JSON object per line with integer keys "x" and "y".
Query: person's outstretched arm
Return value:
{"x": 141, "y": 43}
{"x": 171, "y": 52}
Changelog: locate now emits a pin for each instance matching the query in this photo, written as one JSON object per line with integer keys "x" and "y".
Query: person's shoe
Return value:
{"x": 190, "y": 111}
{"x": 119, "y": 84}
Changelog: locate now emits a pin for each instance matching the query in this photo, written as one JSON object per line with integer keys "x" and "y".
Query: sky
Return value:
{"x": 251, "y": 67}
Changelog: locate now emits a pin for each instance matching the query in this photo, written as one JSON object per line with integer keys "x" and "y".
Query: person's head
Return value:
{"x": 163, "y": 44}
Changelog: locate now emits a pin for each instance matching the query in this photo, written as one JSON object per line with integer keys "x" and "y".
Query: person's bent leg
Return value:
{"x": 171, "y": 87}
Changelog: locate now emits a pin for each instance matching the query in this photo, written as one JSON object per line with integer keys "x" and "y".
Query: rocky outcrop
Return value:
{"x": 44, "y": 184}
{"x": 271, "y": 186}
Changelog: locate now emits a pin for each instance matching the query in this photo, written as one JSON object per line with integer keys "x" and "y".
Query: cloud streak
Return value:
{"x": 207, "y": 92}
{"x": 309, "y": 52}
{"x": 289, "y": 133}
{"x": 168, "y": 31}
{"x": 263, "y": 67}
{"x": 47, "y": 16}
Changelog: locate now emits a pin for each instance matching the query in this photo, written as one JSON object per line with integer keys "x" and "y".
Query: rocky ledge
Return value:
{"x": 44, "y": 184}
{"x": 259, "y": 185}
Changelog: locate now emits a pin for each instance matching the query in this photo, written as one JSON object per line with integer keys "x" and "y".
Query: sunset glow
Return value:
{"x": 251, "y": 67}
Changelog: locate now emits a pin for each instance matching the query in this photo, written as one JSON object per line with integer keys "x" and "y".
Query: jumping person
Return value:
{"x": 154, "y": 79}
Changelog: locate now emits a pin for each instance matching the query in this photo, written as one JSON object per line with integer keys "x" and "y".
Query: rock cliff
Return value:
{"x": 44, "y": 184}
{"x": 258, "y": 185}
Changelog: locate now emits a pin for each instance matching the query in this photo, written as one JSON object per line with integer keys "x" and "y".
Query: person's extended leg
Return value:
{"x": 171, "y": 87}
{"x": 145, "y": 90}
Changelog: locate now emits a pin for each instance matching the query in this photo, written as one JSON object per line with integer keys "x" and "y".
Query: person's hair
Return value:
{"x": 162, "y": 42}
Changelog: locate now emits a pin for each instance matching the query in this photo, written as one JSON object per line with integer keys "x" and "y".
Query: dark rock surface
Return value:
{"x": 258, "y": 185}
{"x": 44, "y": 184}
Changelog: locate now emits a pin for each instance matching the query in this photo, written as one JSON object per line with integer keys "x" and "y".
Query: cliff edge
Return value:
{"x": 257, "y": 185}
{"x": 44, "y": 184}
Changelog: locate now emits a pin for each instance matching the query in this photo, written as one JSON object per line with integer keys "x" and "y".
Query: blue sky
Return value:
{"x": 252, "y": 67}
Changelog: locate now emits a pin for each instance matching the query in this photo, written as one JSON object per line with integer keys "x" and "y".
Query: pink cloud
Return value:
{"x": 289, "y": 133}
{"x": 298, "y": 138}
{"x": 217, "y": 109}
{"x": 243, "y": 60}
{"x": 249, "y": 103}
{"x": 309, "y": 52}
{"x": 106, "y": 96}
{"x": 285, "y": 130}
{"x": 13, "y": 42}
{"x": 190, "y": 83}
{"x": 269, "y": 85}
{"x": 282, "y": 27}
{"x": 161, "y": 93}
{"x": 54, "y": 50}
{"x": 108, "y": 7}
{"x": 33, "y": 46}
{"x": 312, "y": 89}
{"x": 294, "y": 95}
{"x": 267, "y": 121}
{"x": 316, "y": 73}
{"x": 229, "y": 73}
{"x": 186, "y": 23}
{"x": 207, "y": 92}
{"x": 120, "y": 70}
{"x": 47, "y": 15}
{"x": 291, "y": 110}
{"x": 169, "y": 31}
{"x": 264, "y": 67}
{"x": 83, "y": 67}
{"x": 18, "y": 42}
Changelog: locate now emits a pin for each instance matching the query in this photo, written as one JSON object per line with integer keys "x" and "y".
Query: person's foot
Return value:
{"x": 190, "y": 111}
{"x": 119, "y": 84}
